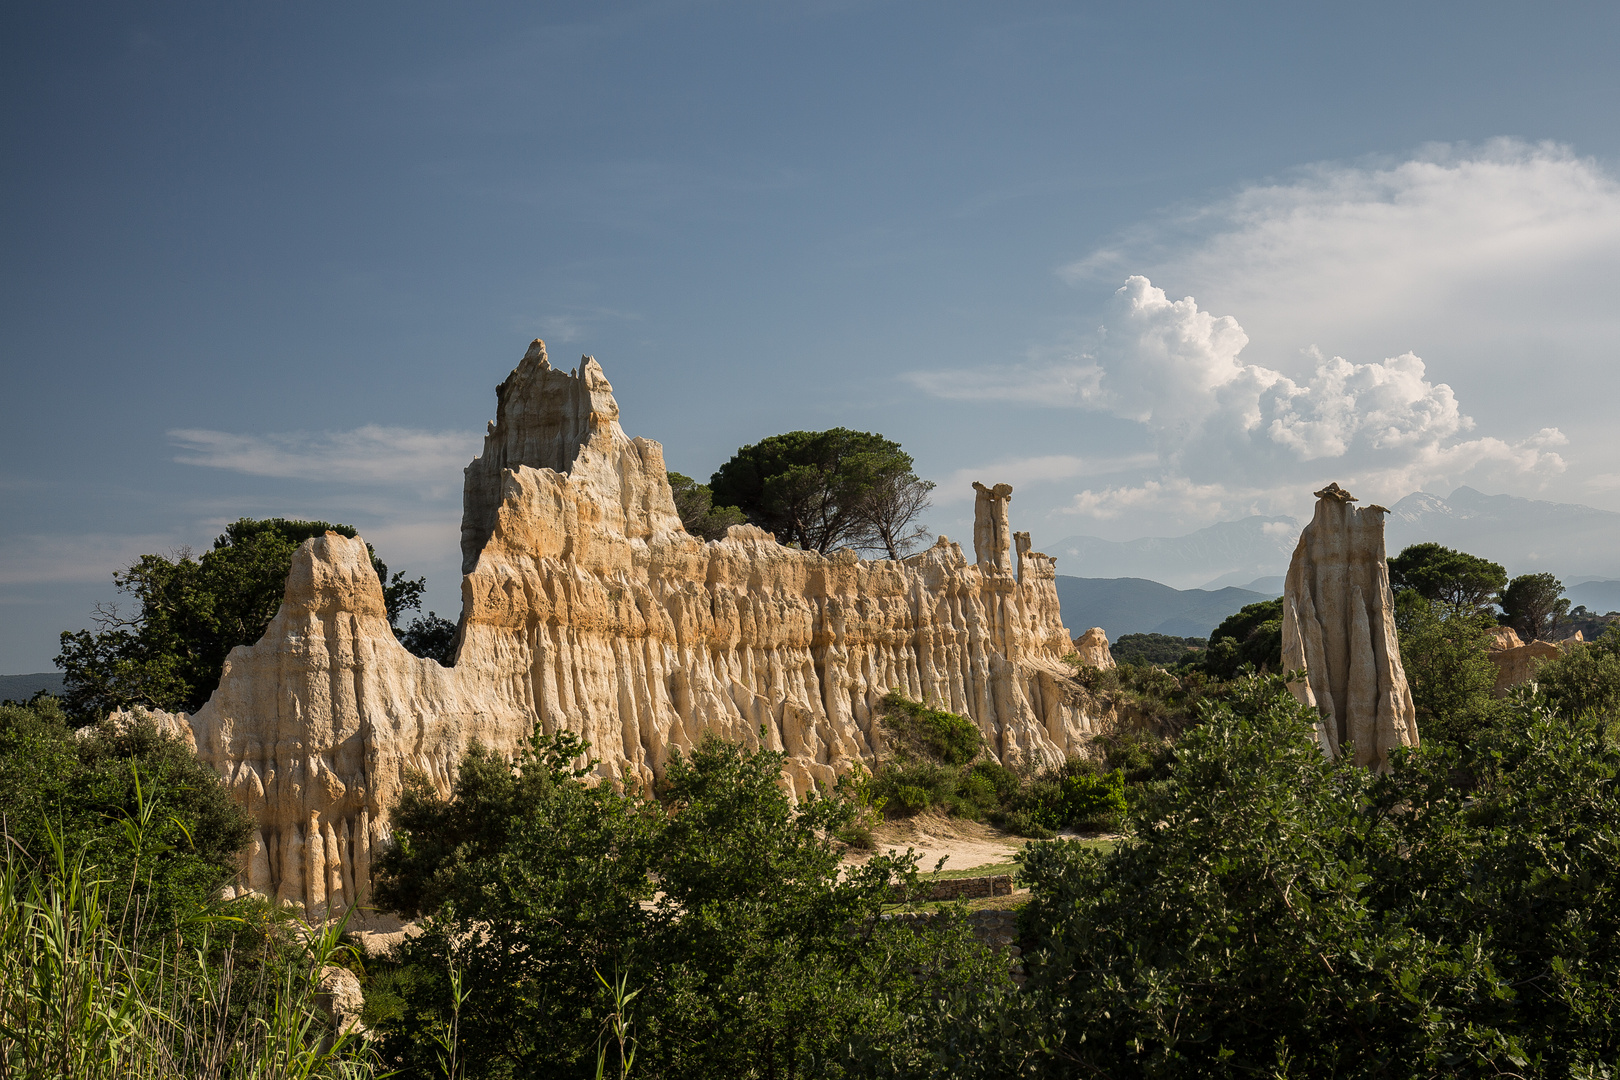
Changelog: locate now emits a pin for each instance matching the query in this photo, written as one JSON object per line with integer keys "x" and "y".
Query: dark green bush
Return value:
{"x": 1157, "y": 649}
{"x": 1273, "y": 913}
{"x": 1252, "y": 635}
{"x": 93, "y": 787}
{"x": 934, "y": 734}
{"x": 751, "y": 950}
{"x": 1584, "y": 680}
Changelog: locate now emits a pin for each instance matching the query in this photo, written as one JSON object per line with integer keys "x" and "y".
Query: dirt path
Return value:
{"x": 965, "y": 844}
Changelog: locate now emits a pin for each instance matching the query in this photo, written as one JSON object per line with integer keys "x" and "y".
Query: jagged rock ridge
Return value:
{"x": 587, "y": 607}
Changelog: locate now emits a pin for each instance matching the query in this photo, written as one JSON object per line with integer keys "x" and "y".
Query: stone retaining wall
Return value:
{"x": 968, "y": 888}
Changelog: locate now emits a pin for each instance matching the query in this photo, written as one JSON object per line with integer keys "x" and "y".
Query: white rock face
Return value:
{"x": 1339, "y": 626}
{"x": 587, "y": 607}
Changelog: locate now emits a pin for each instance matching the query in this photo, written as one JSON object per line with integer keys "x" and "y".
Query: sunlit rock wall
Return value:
{"x": 587, "y": 607}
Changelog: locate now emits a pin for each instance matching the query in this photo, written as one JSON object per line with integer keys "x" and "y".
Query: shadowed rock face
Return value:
{"x": 1339, "y": 626}
{"x": 587, "y": 607}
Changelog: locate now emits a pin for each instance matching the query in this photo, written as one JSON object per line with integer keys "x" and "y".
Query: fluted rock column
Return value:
{"x": 1339, "y": 627}
{"x": 992, "y": 528}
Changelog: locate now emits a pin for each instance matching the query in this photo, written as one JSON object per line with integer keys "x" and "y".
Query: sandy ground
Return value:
{"x": 964, "y": 844}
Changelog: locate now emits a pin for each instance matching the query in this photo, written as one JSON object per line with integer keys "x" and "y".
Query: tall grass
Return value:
{"x": 87, "y": 991}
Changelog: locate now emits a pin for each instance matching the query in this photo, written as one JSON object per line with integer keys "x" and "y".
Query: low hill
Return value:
{"x": 1233, "y": 551}
{"x": 23, "y": 687}
{"x": 1601, "y": 597}
{"x": 1139, "y": 606}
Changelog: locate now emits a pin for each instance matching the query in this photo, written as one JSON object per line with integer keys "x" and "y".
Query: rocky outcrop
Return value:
{"x": 1339, "y": 627}
{"x": 1516, "y": 661}
{"x": 1092, "y": 648}
{"x": 587, "y": 607}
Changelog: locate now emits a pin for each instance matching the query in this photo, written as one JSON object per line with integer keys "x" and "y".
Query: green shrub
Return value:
{"x": 934, "y": 734}
{"x": 91, "y": 787}
{"x": 86, "y": 993}
{"x": 1091, "y": 801}
{"x": 1251, "y": 636}
{"x": 1273, "y": 913}
{"x": 722, "y": 903}
{"x": 1157, "y": 649}
{"x": 1583, "y": 681}
{"x": 1073, "y": 795}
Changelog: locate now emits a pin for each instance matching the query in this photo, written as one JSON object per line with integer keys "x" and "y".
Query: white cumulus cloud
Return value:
{"x": 430, "y": 461}
{"x": 1238, "y": 437}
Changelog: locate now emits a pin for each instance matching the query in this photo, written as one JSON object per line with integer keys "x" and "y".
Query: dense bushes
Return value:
{"x": 719, "y": 901}
{"x": 936, "y": 759}
{"x": 92, "y": 790}
{"x": 1583, "y": 682}
{"x": 116, "y": 957}
{"x": 1274, "y": 913}
{"x": 1251, "y": 636}
{"x": 1156, "y": 649}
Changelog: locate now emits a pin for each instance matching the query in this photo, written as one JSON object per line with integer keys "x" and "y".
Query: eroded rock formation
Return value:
{"x": 1092, "y": 648}
{"x": 587, "y": 607}
{"x": 1516, "y": 661}
{"x": 1339, "y": 626}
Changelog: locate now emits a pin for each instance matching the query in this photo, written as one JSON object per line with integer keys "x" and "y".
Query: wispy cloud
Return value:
{"x": 430, "y": 461}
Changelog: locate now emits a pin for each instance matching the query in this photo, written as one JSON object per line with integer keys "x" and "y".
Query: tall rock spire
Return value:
{"x": 1339, "y": 626}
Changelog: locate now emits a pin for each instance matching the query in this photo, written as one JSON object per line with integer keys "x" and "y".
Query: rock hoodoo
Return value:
{"x": 587, "y": 607}
{"x": 1339, "y": 626}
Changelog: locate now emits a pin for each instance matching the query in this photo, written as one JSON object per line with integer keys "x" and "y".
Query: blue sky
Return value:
{"x": 273, "y": 259}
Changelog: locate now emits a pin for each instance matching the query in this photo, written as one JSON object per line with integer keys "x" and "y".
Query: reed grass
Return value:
{"x": 87, "y": 990}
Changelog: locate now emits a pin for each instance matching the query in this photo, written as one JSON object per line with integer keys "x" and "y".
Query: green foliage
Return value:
{"x": 722, "y": 905}
{"x": 91, "y": 790}
{"x": 1461, "y": 581}
{"x": 936, "y": 764}
{"x": 1074, "y": 795}
{"x": 1590, "y": 624}
{"x": 1532, "y": 604}
{"x": 857, "y": 790}
{"x": 1274, "y": 913}
{"x": 87, "y": 992}
{"x": 431, "y": 637}
{"x": 1252, "y": 636}
{"x": 1152, "y": 649}
{"x": 1444, "y": 652}
{"x": 1583, "y": 681}
{"x": 918, "y": 731}
{"x": 190, "y": 613}
{"x": 822, "y": 490}
{"x": 695, "y": 503}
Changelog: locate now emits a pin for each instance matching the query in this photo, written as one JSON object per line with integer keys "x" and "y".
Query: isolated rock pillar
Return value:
{"x": 992, "y": 528}
{"x": 1339, "y": 627}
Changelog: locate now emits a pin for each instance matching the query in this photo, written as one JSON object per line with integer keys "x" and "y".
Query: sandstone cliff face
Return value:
{"x": 1339, "y": 626}
{"x": 586, "y": 607}
{"x": 1516, "y": 661}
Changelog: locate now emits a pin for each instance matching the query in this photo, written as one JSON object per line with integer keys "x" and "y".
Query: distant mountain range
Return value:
{"x": 1526, "y": 536}
{"x": 1579, "y": 543}
{"x": 1138, "y": 606}
{"x": 1601, "y": 597}
{"x": 1230, "y": 553}
{"x": 23, "y": 687}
